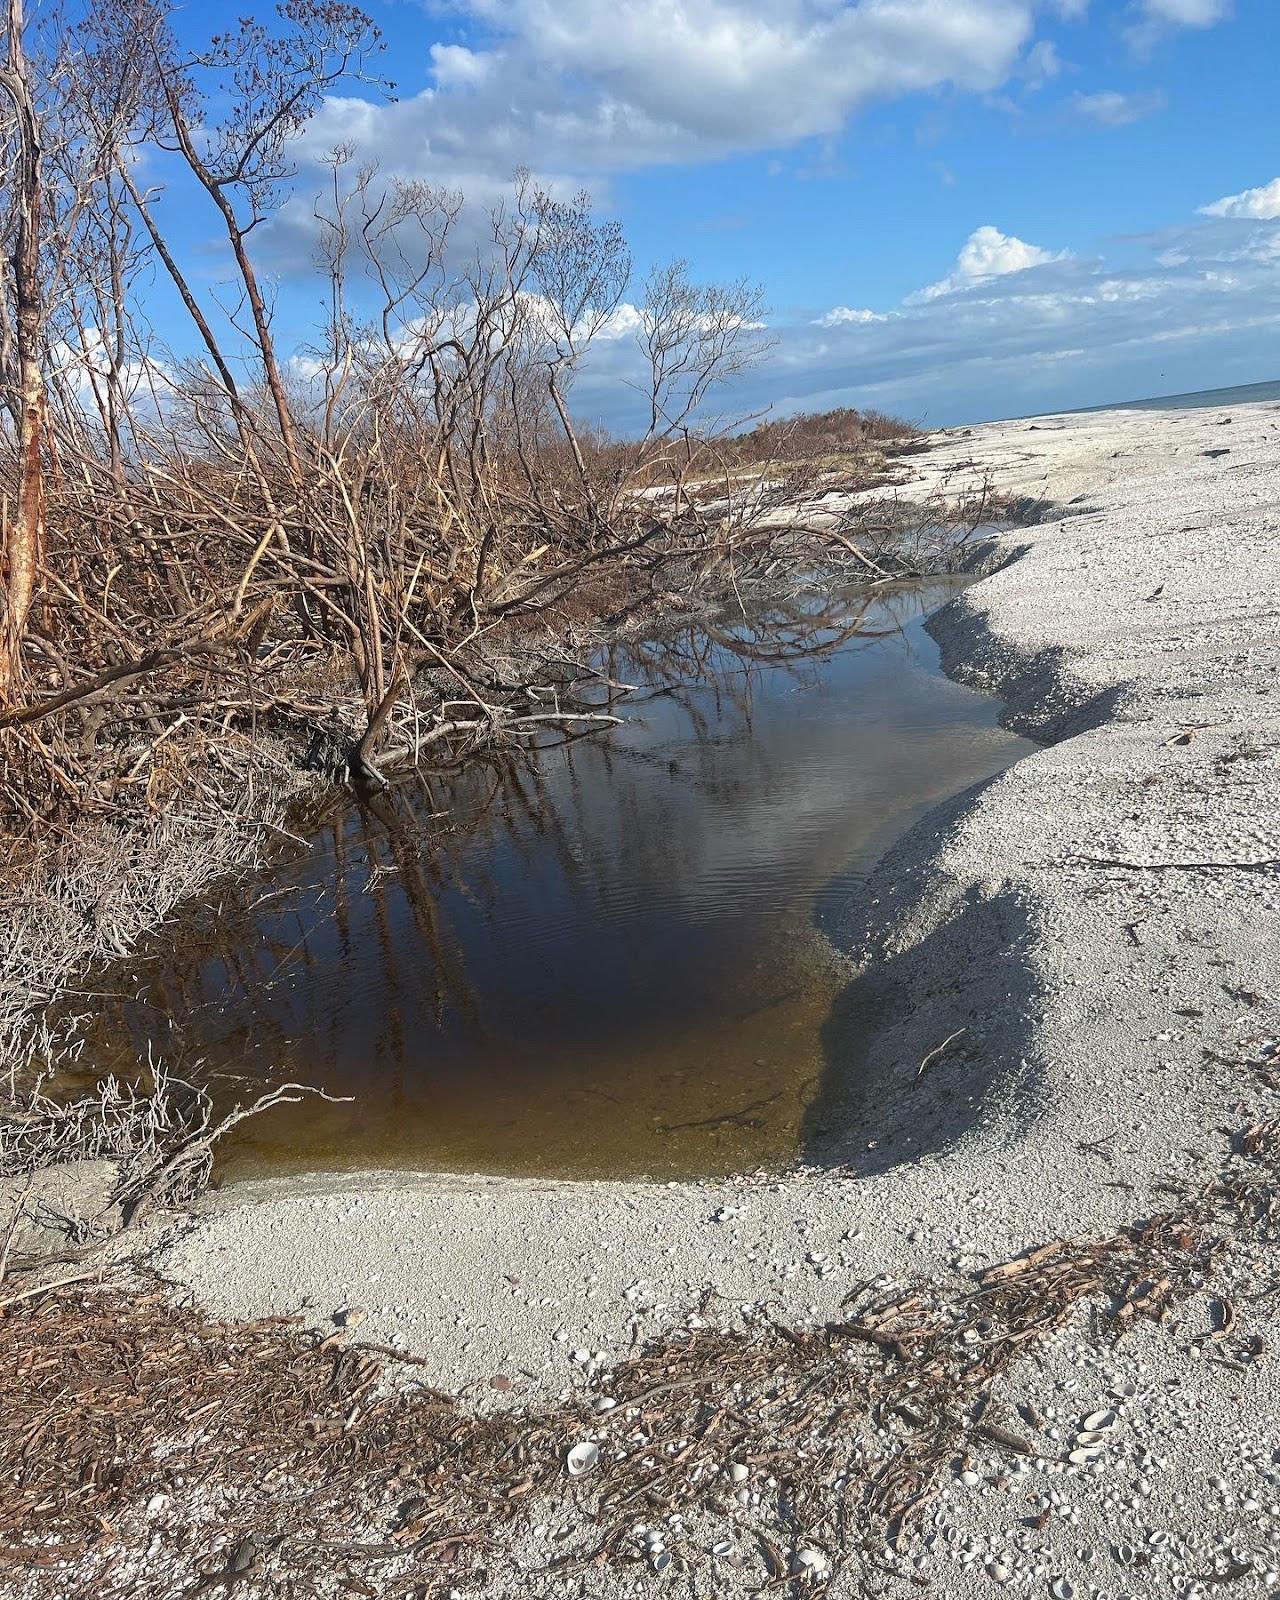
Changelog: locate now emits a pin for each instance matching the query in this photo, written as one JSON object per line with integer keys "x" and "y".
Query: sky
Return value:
{"x": 956, "y": 209}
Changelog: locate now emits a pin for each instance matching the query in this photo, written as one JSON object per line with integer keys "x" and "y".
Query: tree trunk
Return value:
{"x": 24, "y": 535}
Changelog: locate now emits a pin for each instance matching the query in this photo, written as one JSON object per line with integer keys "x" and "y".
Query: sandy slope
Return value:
{"x": 1136, "y": 630}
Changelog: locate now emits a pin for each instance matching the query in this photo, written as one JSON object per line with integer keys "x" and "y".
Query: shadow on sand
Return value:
{"x": 956, "y": 958}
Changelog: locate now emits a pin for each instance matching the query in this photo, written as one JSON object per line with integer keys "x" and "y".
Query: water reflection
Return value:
{"x": 596, "y": 957}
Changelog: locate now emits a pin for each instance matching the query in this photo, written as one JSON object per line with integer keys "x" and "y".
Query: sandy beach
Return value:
{"x": 1096, "y": 932}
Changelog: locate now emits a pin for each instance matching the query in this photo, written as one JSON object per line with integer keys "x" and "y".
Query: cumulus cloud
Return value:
{"x": 988, "y": 253}
{"x": 563, "y": 87}
{"x": 1112, "y": 109}
{"x": 1261, "y": 203}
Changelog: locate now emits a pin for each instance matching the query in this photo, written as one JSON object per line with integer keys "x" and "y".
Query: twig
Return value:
{"x": 13, "y": 1224}
{"x": 1265, "y": 864}
{"x": 936, "y": 1054}
{"x": 58, "y": 1283}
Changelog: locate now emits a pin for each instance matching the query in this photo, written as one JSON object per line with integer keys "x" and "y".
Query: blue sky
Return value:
{"x": 956, "y": 208}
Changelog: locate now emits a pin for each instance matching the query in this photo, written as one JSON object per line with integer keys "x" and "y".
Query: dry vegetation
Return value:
{"x": 201, "y": 547}
{"x": 226, "y": 572}
{"x": 267, "y": 1453}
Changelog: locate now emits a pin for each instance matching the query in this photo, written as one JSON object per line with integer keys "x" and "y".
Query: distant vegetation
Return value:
{"x": 810, "y": 435}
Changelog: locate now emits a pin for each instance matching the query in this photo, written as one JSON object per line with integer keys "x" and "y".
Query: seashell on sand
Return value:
{"x": 583, "y": 1458}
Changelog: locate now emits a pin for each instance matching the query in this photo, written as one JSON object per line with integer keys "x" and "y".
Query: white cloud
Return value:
{"x": 987, "y": 254}
{"x": 1187, "y": 13}
{"x": 624, "y": 322}
{"x": 1156, "y": 18}
{"x": 1043, "y": 62}
{"x": 568, "y": 87}
{"x": 842, "y": 315}
{"x": 1111, "y": 109}
{"x": 1262, "y": 203}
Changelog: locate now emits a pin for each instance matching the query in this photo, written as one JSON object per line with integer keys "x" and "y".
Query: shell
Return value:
{"x": 1095, "y": 1437}
{"x": 811, "y": 1560}
{"x": 1100, "y": 1422}
{"x": 1125, "y": 1554}
{"x": 1125, "y": 1389}
{"x": 1061, "y": 1589}
{"x": 605, "y": 1403}
{"x": 1082, "y": 1458}
{"x": 722, "y": 1547}
{"x": 583, "y": 1458}
{"x": 739, "y": 1473}
{"x": 661, "y": 1560}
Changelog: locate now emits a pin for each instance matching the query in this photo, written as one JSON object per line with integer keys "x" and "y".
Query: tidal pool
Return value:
{"x": 600, "y": 958}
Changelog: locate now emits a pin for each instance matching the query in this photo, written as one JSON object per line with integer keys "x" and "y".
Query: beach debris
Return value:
{"x": 811, "y": 1563}
{"x": 909, "y": 1350}
{"x": 583, "y": 1458}
{"x": 939, "y": 1051}
{"x": 1006, "y": 1437}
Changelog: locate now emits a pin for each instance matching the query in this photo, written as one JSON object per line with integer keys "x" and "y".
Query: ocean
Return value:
{"x": 1241, "y": 394}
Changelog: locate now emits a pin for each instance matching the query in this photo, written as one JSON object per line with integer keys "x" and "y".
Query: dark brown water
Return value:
{"x": 602, "y": 958}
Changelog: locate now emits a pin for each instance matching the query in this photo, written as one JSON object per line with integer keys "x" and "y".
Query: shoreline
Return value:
{"x": 978, "y": 887}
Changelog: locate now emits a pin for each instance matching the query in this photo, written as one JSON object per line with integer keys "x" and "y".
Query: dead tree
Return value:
{"x": 276, "y": 80}
{"x": 23, "y": 534}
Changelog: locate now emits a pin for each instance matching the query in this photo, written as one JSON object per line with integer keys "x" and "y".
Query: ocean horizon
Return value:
{"x": 1237, "y": 395}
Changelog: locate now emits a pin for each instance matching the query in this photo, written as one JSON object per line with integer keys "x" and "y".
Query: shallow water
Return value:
{"x": 602, "y": 958}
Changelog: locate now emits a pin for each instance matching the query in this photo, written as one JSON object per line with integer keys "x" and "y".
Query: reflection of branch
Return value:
{"x": 738, "y": 1116}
